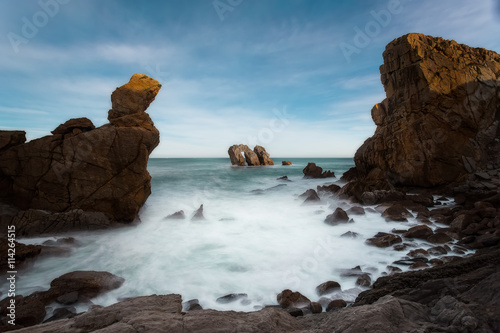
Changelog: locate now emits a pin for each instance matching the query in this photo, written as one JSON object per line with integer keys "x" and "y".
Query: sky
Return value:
{"x": 298, "y": 77}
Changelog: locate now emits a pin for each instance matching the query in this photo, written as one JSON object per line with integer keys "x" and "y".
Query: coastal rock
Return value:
{"x": 338, "y": 216}
{"x": 328, "y": 189}
{"x": 11, "y": 138}
{"x": 230, "y": 298}
{"x": 384, "y": 240}
{"x": 313, "y": 171}
{"x": 336, "y": 304}
{"x": 22, "y": 253}
{"x": 86, "y": 283}
{"x": 419, "y": 232}
{"x": 439, "y": 121}
{"x": 198, "y": 215}
{"x": 241, "y": 153}
{"x": 327, "y": 287}
{"x": 290, "y": 299}
{"x": 176, "y": 216}
{"x": 397, "y": 213}
{"x": 81, "y": 167}
{"x": 286, "y": 163}
{"x": 263, "y": 155}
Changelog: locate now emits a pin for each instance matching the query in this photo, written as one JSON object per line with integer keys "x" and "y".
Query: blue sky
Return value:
{"x": 274, "y": 73}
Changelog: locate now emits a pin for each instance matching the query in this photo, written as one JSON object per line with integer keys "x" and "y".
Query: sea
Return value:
{"x": 257, "y": 238}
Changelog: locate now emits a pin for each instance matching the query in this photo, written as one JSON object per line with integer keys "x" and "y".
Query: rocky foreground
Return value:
{"x": 437, "y": 134}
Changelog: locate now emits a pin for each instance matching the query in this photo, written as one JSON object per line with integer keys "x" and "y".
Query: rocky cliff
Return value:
{"x": 81, "y": 168}
{"x": 440, "y": 120}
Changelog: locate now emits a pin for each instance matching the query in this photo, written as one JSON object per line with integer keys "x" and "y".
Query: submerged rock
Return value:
{"x": 384, "y": 240}
{"x": 198, "y": 215}
{"x": 338, "y": 216}
{"x": 327, "y": 287}
{"x": 289, "y": 299}
{"x": 176, "y": 216}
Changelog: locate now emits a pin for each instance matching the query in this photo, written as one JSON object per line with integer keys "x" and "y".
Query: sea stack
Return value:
{"x": 80, "y": 169}
{"x": 440, "y": 120}
{"x": 241, "y": 153}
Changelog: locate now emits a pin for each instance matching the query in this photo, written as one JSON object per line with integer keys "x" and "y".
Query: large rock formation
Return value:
{"x": 241, "y": 153}
{"x": 440, "y": 120}
{"x": 81, "y": 167}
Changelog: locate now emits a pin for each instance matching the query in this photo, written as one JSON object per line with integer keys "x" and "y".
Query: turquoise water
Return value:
{"x": 257, "y": 238}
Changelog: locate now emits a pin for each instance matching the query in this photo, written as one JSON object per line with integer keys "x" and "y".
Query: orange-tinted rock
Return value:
{"x": 79, "y": 167}
{"x": 263, "y": 156}
{"x": 439, "y": 121}
{"x": 241, "y": 153}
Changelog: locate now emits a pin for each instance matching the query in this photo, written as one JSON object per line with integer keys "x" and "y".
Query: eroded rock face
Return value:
{"x": 241, "y": 153}
{"x": 440, "y": 120}
{"x": 81, "y": 167}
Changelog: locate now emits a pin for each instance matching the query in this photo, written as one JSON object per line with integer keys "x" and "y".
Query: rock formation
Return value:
{"x": 241, "y": 153}
{"x": 84, "y": 168}
{"x": 440, "y": 120}
{"x": 314, "y": 171}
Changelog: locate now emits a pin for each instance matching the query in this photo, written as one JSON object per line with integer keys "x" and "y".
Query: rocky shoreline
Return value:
{"x": 437, "y": 138}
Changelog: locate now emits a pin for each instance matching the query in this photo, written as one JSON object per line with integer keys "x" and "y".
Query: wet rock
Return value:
{"x": 61, "y": 313}
{"x": 316, "y": 307}
{"x": 397, "y": 213}
{"x": 384, "y": 241}
{"x": 356, "y": 210}
{"x": 313, "y": 171}
{"x": 286, "y": 163}
{"x": 409, "y": 262}
{"x": 86, "y": 283}
{"x": 437, "y": 250}
{"x": 418, "y": 253}
{"x": 327, "y": 288}
{"x": 68, "y": 299}
{"x": 295, "y": 312}
{"x": 364, "y": 280}
{"x": 328, "y": 189}
{"x": 289, "y": 299}
{"x": 191, "y": 305}
{"x": 230, "y": 298}
{"x": 419, "y": 232}
{"x": 198, "y": 215}
{"x": 381, "y": 196}
{"x": 177, "y": 216}
{"x": 350, "y": 234}
{"x": 439, "y": 238}
{"x": 311, "y": 197}
{"x": 335, "y": 305}
{"x": 23, "y": 252}
{"x": 418, "y": 265}
{"x": 393, "y": 269}
{"x": 338, "y": 216}
{"x": 284, "y": 178}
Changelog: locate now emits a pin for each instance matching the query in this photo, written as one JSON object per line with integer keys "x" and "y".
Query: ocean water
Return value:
{"x": 257, "y": 238}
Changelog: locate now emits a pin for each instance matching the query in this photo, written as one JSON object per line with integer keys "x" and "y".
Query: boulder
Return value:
{"x": 81, "y": 167}
{"x": 327, "y": 287}
{"x": 384, "y": 241}
{"x": 397, "y": 213}
{"x": 338, "y": 216}
{"x": 364, "y": 280}
{"x": 419, "y": 232}
{"x": 290, "y": 299}
{"x": 335, "y": 305}
{"x": 86, "y": 283}
{"x": 230, "y": 298}
{"x": 356, "y": 210}
{"x": 439, "y": 121}
{"x": 23, "y": 252}
{"x": 286, "y": 163}
{"x": 263, "y": 155}
{"x": 313, "y": 171}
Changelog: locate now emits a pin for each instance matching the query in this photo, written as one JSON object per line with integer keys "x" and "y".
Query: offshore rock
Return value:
{"x": 440, "y": 120}
{"x": 241, "y": 153}
{"x": 80, "y": 167}
{"x": 314, "y": 171}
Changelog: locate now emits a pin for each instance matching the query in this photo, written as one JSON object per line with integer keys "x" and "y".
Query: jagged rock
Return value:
{"x": 176, "y": 216}
{"x": 313, "y": 171}
{"x": 331, "y": 189}
{"x": 74, "y": 126}
{"x": 263, "y": 155}
{"x": 241, "y": 153}
{"x": 11, "y": 138}
{"x": 327, "y": 287}
{"x": 230, "y": 298}
{"x": 191, "y": 305}
{"x": 311, "y": 197}
{"x": 439, "y": 121}
{"x": 286, "y": 163}
{"x": 198, "y": 215}
{"x": 98, "y": 170}
{"x": 338, "y": 216}
{"x": 350, "y": 234}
